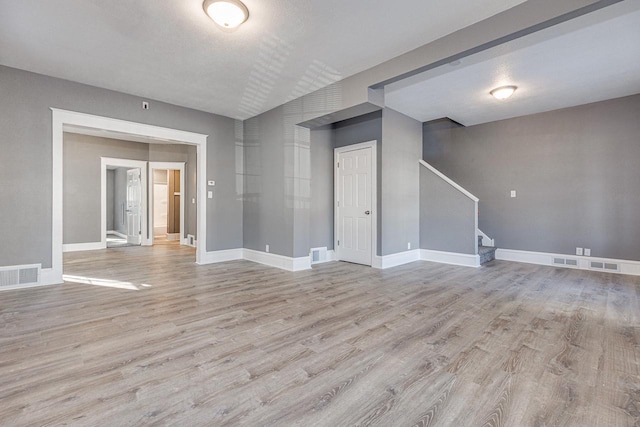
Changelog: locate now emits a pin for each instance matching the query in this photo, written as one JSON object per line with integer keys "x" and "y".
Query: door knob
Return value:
{"x": 367, "y": 212}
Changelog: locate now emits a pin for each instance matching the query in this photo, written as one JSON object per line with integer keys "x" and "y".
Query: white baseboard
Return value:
{"x": 117, "y": 233}
{"x": 546, "y": 258}
{"x": 331, "y": 255}
{"x": 173, "y": 236}
{"x": 272, "y": 260}
{"x": 278, "y": 261}
{"x": 221, "y": 256}
{"x": 78, "y": 247}
{"x": 394, "y": 260}
{"x": 465, "y": 260}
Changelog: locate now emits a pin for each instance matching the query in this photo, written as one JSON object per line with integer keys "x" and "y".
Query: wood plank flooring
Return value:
{"x": 143, "y": 336}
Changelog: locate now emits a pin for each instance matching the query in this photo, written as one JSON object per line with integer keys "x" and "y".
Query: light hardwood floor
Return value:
{"x": 242, "y": 344}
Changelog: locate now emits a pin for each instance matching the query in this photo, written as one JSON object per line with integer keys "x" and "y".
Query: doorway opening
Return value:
{"x": 167, "y": 203}
{"x": 122, "y": 202}
{"x": 86, "y": 124}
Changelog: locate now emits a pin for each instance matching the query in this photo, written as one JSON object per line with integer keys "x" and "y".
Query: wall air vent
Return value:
{"x": 19, "y": 275}
{"x": 318, "y": 255}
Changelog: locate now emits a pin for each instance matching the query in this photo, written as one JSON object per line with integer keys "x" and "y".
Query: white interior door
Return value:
{"x": 134, "y": 203}
{"x": 354, "y": 204}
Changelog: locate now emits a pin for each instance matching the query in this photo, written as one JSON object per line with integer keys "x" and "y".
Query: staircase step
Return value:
{"x": 486, "y": 253}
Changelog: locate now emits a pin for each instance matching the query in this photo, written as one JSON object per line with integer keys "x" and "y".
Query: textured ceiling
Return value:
{"x": 171, "y": 51}
{"x": 589, "y": 59}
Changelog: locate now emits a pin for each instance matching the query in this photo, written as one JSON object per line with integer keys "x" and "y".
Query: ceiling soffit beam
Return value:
{"x": 498, "y": 41}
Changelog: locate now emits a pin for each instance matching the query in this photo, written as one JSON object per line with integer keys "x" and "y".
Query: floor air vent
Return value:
{"x": 19, "y": 275}
{"x": 569, "y": 262}
{"x": 606, "y": 266}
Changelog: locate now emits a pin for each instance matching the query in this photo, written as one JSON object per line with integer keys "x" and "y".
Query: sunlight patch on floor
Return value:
{"x": 104, "y": 282}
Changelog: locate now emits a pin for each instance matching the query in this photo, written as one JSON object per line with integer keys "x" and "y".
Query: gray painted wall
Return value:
{"x": 400, "y": 187}
{"x": 81, "y": 182}
{"x": 322, "y": 214}
{"x": 110, "y": 194}
{"x": 575, "y": 172}
{"x": 447, "y": 217}
{"x": 266, "y": 221}
{"x": 25, "y": 142}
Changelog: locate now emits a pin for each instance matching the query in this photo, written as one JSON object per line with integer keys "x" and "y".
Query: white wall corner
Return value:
{"x": 48, "y": 276}
{"x": 453, "y": 258}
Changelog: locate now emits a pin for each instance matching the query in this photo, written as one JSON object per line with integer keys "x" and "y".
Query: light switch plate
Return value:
{"x": 513, "y": 194}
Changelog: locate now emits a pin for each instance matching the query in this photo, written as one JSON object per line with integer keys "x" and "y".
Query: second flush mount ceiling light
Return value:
{"x": 228, "y": 14}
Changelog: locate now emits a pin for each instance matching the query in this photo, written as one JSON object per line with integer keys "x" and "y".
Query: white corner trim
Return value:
{"x": 546, "y": 258}
{"x": 486, "y": 240}
{"x": 278, "y": 261}
{"x": 449, "y": 181}
{"x": 453, "y": 258}
{"x": 394, "y": 260}
{"x": 48, "y": 277}
{"x": 79, "y": 247}
{"x": 221, "y": 256}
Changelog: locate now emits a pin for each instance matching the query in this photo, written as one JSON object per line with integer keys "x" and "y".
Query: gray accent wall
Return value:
{"x": 26, "y": 161}
{"x": 322, "y": 188}
{"x": 575, "y": 172}
{"x": 447, "y": 217}
{"x": 81, "y": 182}
{"x": 400, "y": 186}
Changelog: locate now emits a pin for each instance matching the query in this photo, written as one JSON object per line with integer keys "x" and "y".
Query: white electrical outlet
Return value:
{"x": 587, "y": 252}
{"x": 211, "y": 183}
{"x": 145, "y": 105}
{"x": 408, "y": 245}
{"x": 578, "y": 251}
{"x": 267, "y": 248}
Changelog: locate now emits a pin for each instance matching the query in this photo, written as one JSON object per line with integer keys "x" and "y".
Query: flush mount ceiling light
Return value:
{"x": 503, "y": 92}
{"x": 228, "y": 14}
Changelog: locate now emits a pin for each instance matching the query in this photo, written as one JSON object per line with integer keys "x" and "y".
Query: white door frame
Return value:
{"x": 152, "y": 134}
{"x": 374, "y": 194}
{"x": 179, "y": 166}
{"x": 122, "y": 163}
